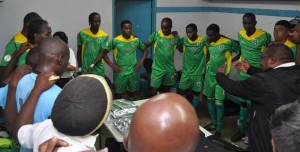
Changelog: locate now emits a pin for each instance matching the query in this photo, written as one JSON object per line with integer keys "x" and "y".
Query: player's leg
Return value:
{"x": 155, "y": 82}
{"x": 209, "y": 92}
{"x": 131, "y": 85}
{"x": 120, "y": 85}
{"x": 169, "y": 80}
{"x": 197, "y": 86}
{"x": 220, "y": 96}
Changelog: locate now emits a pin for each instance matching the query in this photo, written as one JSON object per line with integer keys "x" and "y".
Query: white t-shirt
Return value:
{"x": 31, "y": 136}
{"x": 72, "y": 61}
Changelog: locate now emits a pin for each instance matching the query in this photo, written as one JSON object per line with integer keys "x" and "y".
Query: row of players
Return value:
{"x": 93, "y": 45}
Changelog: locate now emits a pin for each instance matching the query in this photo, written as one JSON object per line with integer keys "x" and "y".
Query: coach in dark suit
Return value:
{"x": 277, "y": 85}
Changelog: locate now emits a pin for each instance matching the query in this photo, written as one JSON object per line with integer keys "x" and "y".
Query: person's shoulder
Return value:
{"x": 27, "y": 79}
{"x": 102, "y": 33}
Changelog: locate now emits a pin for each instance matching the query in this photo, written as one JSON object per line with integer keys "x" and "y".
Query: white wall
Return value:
{"x": 229, "y": 23}
{"x": 70, "y": 16}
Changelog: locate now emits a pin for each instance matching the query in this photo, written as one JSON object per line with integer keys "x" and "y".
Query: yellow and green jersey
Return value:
{"x": 194, "y": 55}
{"x": 292, "y": 46}
{"x": 164, "y": 49}
{"x": 13, "y": 45}
{"x": 253, "y": 46}
{"x": 91, "y": 45}
{"x": 220, "y": 52}
{"x": 125, "y": 52}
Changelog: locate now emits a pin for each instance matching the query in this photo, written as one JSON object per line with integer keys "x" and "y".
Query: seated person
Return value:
{"x": 285, "y": 128}
{"x": 165, "y": 123}
{"x": 79, "y": 110}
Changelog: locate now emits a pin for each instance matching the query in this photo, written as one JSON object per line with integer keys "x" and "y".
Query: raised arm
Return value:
{"x": 10, "y": 110}
{"x": 26, "y": 113}
{"x": 14, "y": 60}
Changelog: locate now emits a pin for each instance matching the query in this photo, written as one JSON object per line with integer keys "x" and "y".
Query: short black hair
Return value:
{"x": 125, "y": 22}
{"x": 193, "y": 26}
{"x": 281, "y": 52}
{"x": 92, "y": 15}
{"x": 167, "y": 20}
{"x": 33, "y": 28}
{"x": 284, "y": 23}
{"x": 213, "y": 27}
{"x": 32, "y": 57}
{"x": 31, "y": 17}
{"x": 250, "y": 15}
{"x": 62, "y": 35}
{"x": 285, "y": 127}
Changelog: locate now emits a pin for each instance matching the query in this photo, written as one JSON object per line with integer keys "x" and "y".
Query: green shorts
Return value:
{"x": 243, "y": 76}
{"x": 191, "y": 81}
{"x": 126, "y": 83}
{"x": 159, "y": 78}
{"x": 212, "y": 89}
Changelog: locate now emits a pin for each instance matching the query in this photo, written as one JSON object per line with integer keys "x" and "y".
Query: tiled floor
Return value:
{"x": 229, "y": 127}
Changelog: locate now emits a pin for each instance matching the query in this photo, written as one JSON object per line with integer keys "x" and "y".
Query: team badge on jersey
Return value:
{"x": 133, "y": 44}
{"x": 221, "y": 47}
{"x": 99, "y": 40}
{"x": 199, "y": 84}
{"x": 254, "y": 42}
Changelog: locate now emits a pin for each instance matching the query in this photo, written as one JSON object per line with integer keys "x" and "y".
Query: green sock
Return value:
{"x": 212, "y": 110}
{"x": 243, "y": 119}
{"x": 195, "y": 101}
{"x": 220, "y": 114}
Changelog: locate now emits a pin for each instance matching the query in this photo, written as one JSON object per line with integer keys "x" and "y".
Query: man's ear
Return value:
{"x": 125, "y": 141}
{"x": 36, "y": 37}
{"x": 272, "y": 60}
{"x": 59, "y": 60}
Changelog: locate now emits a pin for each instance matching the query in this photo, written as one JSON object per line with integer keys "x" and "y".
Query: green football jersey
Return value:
{"x": 292, "y": 46}
{"x": 253, "y": 46}
{"x": 219, "y": 53}
{"x": 91, "y": 45}
{"x": 164, "y": 49}
{"x": 125, "y": 52}
{"x": 194, "y": 55}
{"x": 13, "y": 45}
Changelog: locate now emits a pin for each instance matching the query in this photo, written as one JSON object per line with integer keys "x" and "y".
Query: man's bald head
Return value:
{"x": 54, "y": 52}
{"x": 275, "y": 55}
{"x": 167, "y": 122}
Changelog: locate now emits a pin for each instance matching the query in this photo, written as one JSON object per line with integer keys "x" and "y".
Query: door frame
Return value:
{"x": 153, "y": 16}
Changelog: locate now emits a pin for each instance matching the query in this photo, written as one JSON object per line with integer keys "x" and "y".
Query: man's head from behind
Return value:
{"x": 285, "y": 128}
{"x": 29, "y": 18}
{"x": 53, "y": 55}
{"x": 167, "y": 122}
{"x": 82, "y": 106}
{"x": 32, "y": 57}
{"x": 276, "y": 54}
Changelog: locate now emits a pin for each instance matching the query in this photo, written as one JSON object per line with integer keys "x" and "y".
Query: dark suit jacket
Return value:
{"x": 267, "y": 90}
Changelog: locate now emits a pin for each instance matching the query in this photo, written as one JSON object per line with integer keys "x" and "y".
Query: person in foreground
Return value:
{"x": 285, "y": 128}
{"x": 79, "y": 111}
{"x": 279, "y": 84}
{"x": 167, "y": 122}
